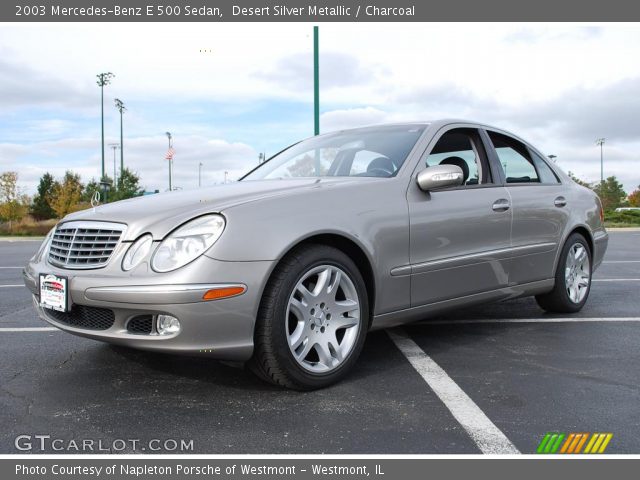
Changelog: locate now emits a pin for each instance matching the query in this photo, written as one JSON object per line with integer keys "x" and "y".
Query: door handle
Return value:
{"x": 560, "y": 202}
{"x": 501, "y": 205}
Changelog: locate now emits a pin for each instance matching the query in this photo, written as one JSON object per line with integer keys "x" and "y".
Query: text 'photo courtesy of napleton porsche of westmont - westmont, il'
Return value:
{"x": 318, "y": 239}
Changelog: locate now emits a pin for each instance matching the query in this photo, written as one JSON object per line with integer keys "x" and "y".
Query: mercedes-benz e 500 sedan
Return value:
{"x": 288, "y": 268}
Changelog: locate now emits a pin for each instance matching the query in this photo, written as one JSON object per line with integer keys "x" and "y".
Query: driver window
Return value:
{"x": 460, "y": 147}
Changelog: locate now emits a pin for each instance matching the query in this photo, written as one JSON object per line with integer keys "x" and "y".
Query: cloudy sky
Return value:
{"x": 229, "y": 91}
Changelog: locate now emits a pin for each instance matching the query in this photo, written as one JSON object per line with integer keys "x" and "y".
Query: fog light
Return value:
{"x": 166, "y": 325}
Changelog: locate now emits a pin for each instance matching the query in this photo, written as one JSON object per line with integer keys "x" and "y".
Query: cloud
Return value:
{"x": 336, "y": 70}
{"x": 534, "y": 35}
{"x": 582, "y": 114}
{"x": 351, "y": 117}
{"x": 22, "y": 86}
{"x": 144, "y": 155}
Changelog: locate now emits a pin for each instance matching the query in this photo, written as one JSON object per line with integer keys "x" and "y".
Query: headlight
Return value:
{"x": 188, "y": 242}
{"x": 44, "y": 247}
{"x": 137, "y": 252}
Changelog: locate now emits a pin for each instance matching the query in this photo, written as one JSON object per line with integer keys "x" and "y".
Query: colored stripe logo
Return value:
{"x": 555, "y": 442}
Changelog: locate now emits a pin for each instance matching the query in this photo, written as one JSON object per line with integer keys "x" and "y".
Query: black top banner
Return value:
{"x": 317, "y": 11}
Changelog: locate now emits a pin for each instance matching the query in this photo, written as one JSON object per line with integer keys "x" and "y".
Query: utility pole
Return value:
{"x": 200, "y": 175}
{"x": 600, "y": 142}
{"x": 121, "y": 108}
{"x": 316, "y": 94}
{"x": 316, "y": 82}
{"x": 103, "y": 79}
{"x": 115, "y": 146}
{"x": 170, "y": 158}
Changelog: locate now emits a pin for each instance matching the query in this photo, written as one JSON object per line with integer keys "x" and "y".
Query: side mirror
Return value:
{"x": 439, "y": 176}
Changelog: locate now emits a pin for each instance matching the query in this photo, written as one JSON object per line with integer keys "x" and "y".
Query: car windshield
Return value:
{"x": 367, "y": 152}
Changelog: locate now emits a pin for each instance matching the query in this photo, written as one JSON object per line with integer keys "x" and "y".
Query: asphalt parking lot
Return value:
{"x": 524, "y": 372}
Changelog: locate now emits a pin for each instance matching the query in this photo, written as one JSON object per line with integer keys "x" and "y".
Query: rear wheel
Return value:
{"x": 312, "y": 321}
{"x": 573, "y": 278}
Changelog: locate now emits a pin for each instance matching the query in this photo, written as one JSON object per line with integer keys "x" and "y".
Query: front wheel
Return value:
{"x": 573, "y": 278}
{"x": 313, "y": 319}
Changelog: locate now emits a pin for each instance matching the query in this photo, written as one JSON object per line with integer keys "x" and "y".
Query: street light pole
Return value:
{"x": 170, "y": 159}
{"x": 103, "y": 79}
{"x": 552, "y": 158}
{"x": 226, "y": 174}
{"x": 316, "y": 82}
{"x": 316, "y": 94}
{"x": 121, "y": 108}
{"x": 600, "y": 142}
{"x": 200, "y": 175}
{"x": 115, "y": 146}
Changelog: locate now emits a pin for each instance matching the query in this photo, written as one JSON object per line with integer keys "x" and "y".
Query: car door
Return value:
{"x": 460, "y": 236}
{"x": 540, "y": 211}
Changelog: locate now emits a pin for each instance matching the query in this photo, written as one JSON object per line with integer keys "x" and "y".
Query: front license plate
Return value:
{"x": 53, "y": 292}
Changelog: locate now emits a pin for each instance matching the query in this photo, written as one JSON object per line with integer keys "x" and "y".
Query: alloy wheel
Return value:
{"x": 323, "y": 319}
{"x": 577, "y": 273}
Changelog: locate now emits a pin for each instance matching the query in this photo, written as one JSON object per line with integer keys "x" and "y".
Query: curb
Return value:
{"x": 21, "y": 239}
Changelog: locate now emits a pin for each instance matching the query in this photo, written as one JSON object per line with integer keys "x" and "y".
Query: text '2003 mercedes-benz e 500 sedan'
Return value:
{"x": 288, "y": 268}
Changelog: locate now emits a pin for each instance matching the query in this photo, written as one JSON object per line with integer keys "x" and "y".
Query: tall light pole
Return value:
{"x": 316, "y": 81}
{"x": 600, "y": 142}
{"x": 121, "y": 108}
{"x": 552, "y": 158}
{"x": 200, "y": 175}
{"x": 316, "y": 93}
{"x": 115, "y": 146}
{"x": 226, "y": 174}
{"x": 170, "y": 158}
{"x": 103, "y": 79}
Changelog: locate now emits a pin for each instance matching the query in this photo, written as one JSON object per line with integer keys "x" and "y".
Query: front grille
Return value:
{"x": 84, "y": 244}
{"x": 80, "y": 316}
{"x": 141, "y": 325}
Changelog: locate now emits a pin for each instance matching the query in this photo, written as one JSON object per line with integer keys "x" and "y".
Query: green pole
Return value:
{"x": 121, "y": 148}
{"x": 316, "y": 84}
{"x": 104, "y": 78}
{"x": 102, "y": 118}
{"x": 316, "y": 97}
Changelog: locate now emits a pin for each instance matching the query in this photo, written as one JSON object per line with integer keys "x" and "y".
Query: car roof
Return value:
{"x": 437, "y": 124}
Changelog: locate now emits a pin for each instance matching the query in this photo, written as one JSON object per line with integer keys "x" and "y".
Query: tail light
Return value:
{"x": 601, "y": 210}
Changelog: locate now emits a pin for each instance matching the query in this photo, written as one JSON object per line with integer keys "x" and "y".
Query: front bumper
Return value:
{"x": 219, "y": 328}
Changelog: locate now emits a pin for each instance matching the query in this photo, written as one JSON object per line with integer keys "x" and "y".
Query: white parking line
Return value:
{"x": 10, "y": 268}
{"x": 12, "y": 286}
{"x": 621, "y": 261}
{"x": 488, "y": 437}
{"x": 30, "y": 329}
{"x": 616, "y": 280}
{"x": 533, "y": 320}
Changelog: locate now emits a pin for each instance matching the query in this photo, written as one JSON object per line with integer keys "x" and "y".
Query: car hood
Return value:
{"x": 160, "y": 213}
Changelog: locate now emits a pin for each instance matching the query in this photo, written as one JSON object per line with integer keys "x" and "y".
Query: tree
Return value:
{"x": 611, "y": 193}
{"x": 128, "y": 186}
{"x": 67, "y": 194}
{"x": 13, "y": 204}
{"x": 41, "y": 208}
{"x": 90, "y": 189}
{"x": 634, "y": 198}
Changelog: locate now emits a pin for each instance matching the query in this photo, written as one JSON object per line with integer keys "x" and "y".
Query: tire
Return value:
{"x": 569, "y": 295}
{"x": 311, "y": 296}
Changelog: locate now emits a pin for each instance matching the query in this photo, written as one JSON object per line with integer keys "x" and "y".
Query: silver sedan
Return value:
{"x": 288, "y": 268}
